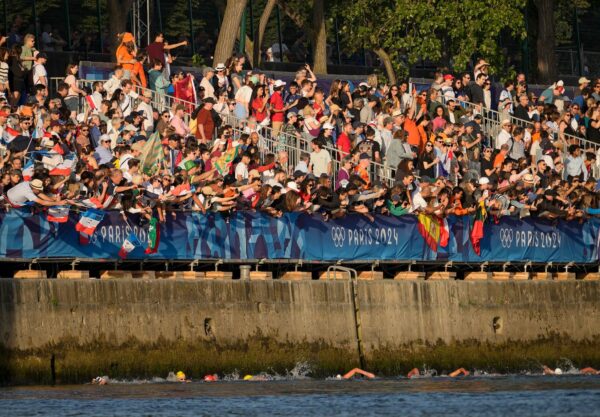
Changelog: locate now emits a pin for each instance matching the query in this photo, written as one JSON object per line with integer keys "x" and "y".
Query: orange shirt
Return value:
{"x": 414, "y": 138}
{"x": 499, "y": 159}
{"x": 124, "y": 55}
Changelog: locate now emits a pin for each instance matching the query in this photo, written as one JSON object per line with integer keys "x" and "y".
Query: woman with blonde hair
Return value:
{"x": 312, "y": 127}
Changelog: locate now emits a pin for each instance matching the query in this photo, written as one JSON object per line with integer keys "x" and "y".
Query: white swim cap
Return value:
{"x": 338, "y": 376}
{"x": 558, "y": 371}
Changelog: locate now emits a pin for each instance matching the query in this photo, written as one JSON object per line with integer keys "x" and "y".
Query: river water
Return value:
{"x": 473, "y": 396}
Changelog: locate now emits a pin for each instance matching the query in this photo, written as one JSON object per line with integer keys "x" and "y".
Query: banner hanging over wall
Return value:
{"x": 249, "y": 235}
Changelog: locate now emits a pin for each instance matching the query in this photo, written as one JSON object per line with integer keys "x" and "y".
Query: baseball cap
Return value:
{"x": 328, "y": 126}
{"x": 484, "y": 180}
{"x": 279, "y": 83}
{"x": 291, "y": 114}
{"x": 364, "y": 155}
{"x": 584, "y": 80}
{"x": 448, "y": 77}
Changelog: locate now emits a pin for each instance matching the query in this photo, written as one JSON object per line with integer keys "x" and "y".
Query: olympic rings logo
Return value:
{"x": 506, "y": 237}
{"x": 338, "y": 236}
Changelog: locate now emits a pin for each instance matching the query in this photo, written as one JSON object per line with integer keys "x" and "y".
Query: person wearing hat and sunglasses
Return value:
{"x": 30, "y": 192}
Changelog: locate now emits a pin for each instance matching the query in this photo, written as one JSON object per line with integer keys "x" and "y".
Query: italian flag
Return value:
{"x": 153, "y": 236}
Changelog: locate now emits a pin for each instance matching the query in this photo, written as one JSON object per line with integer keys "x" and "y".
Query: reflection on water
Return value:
{"x": 567, "y": 396}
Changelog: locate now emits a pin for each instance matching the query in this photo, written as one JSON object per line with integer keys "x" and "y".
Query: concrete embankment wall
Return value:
{"x": 68, "y": 330}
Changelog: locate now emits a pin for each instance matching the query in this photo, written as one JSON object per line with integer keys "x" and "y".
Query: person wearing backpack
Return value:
{"x": 369, "y": 146}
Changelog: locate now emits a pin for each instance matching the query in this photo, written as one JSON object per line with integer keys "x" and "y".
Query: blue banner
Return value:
{"x": 250, "y": 235}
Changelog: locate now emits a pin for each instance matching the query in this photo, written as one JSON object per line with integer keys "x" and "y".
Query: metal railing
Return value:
{"x": 294, "y": 145}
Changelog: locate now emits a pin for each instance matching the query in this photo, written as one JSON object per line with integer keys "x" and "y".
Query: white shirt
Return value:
{"x": 209, "y": 90}
{"x": 146, "y": 110}
{"x": 127, "y": 104}
{"x": 241, "y": 170}
{"x": 244, "y": 94}
{"x": 503, "y": 137}
{"x": 320, "y": 162}
{"x": 111, "y": 85}
{"x": 39, "y": 71}
{"x": 21, "y": 194}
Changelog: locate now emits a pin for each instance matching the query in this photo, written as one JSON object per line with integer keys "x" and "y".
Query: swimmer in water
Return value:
{"x": 356, "y": 371}
{"x": 211, "y": 378}
{"x": 558, "y": 371}
{"x": 100, "y": 380}
{"x": 255, "y": 378}
{"x": 177, "y": 377}
{"x": 459, "y": 372}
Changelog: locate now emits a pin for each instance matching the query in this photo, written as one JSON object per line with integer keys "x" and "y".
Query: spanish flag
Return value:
{"x": 434, "y": 230}
{"x": 477, "y": 229}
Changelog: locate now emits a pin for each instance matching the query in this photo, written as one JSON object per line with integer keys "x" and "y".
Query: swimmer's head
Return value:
{"x": 210, "y": 378}
{"x": 338, "y": 376}
{"x": 247, "y": 377}
{"x": 558, "y": 371}
{"x": 180, "y": 375}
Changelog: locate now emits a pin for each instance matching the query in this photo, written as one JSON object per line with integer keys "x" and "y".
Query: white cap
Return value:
{"x": 293, "y": 186}
{"x": 484, "y": 180}
{"x": 363, "y": 84}
{"x": 328, "y": 125}
{"x": 279, "y": 83}
{"x": 220, "y": 67}
{"x": 505, "y": 122}
{"x": 558, "y": 371}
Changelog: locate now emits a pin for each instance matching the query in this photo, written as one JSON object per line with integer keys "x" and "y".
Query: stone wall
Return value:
{"x": 39, "y": 318}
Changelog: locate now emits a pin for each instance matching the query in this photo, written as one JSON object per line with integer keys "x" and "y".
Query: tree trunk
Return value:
{"x": 546, "y": 59}
{"x": 118, "y": 10}
{"x": 230, "y": 28}
{"x": 319, "y": 38}
{"x": 387, "y": 62}
{"x": 264, "y": 19}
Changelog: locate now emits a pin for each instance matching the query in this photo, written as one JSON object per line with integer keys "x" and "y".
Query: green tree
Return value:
{"x": 403, "y": 32}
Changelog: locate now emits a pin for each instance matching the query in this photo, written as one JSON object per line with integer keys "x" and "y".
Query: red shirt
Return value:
{"x": 205, "y": 119}
{"x": 256, "y": 105}
{"x": 343, "y": 144}
{"x": 156, "y": 50}
{"x": 277, "y": 103}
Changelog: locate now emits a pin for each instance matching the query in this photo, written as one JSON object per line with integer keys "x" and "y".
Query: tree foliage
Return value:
{"x": 450, "y": 31}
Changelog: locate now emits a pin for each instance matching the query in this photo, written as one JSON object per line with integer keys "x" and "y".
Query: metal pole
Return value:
{"x": 99, "y": 24}
{"x": 191, "y": 28}
{"x": 159, "y": 13}
{"x": 5, "y": 18}
{"x": 337, "y": 41}
{"x": 35, "y": 25}
{"x": 147, "y": 22}
{"x": 525, "y": 59}
{"x": 68, "y": 23}
{"x": 279, "y": 34}
{"x": 242, "y": 48}
{"x": 579, "y": 48}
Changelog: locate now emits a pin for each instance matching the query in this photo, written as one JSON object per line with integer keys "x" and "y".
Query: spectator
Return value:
{"x": 205, "y": 121}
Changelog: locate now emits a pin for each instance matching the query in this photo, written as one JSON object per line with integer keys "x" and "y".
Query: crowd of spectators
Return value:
{"x": 370, "y": 148}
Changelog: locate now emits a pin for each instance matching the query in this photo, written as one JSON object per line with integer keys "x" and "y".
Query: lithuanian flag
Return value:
{"x": 224, "y": 162}
{"x": 152, "y": 155}
{"x": 477, "y": 229}
{"x": 434, "y": 230}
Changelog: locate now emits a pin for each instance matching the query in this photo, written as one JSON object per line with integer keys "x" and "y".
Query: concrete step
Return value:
{"x": 502, "y": 276}
{"x": 115, "y": 274}
{"x": 31, "y": 274}
{"x": 521, "y": 276}
{"x": 589, "y": 276}
{"x": 370, "y": 275}
{"x": 260, "y": 275}
{"x": 143, "y": 274}
{"x": 478, "y": 276}
{"x": 296, "y": 276}
{"x": 441, "y": 276}
{"x": 334, "y": 275}
{"x": 73, "y": 274}
{"x": 409, "y": 276}
{"x": 564, "y": 276}
{"x": 218, "y": 275}
{"x": 541, "y": 276}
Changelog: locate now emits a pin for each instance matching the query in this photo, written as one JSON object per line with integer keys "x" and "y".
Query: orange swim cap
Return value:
{"x": 210, "y": 378}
